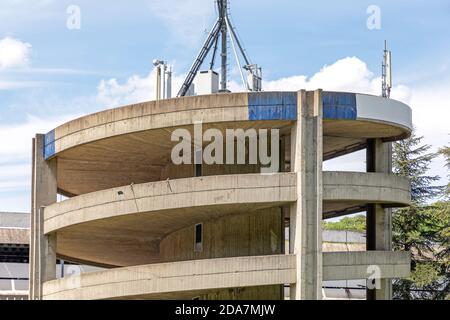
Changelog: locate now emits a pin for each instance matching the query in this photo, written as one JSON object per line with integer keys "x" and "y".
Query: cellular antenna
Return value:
{"x": 218, "y": 36}
{"x": 386, "y": 72}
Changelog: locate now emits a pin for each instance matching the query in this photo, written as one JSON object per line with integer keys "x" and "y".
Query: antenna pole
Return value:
{"x": 220, "y": 32}
{"x": 223, "y": 13}
{"x": 247, "y": 61}
{"x": 236, "y": 56}
{"x": 383, "y": 72}
{"x": 200, "y": 58}
{"x": 213, "y": 59}
{"x": 386, "y": 73}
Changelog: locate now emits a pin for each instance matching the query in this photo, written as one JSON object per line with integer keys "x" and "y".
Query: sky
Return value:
{"x": 53, "y": 69}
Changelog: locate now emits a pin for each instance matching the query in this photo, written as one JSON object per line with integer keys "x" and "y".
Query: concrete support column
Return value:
{"x": 306, "y": 214}
{"x": 379, "y": 223}
{"x": 43, "y": 193}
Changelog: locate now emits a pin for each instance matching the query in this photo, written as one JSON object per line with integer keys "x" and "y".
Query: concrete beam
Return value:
{"x": 382, "y": 188}
{"x": 172, "y": 280}
{"x": 359, "y": 265}
{"x": 218, "y": 108}
{"x": 187, "y": 194}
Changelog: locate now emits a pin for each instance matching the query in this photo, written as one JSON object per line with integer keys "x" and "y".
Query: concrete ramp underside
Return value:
{"x": 187, "y": 279}
{"x": 139, "y": 216}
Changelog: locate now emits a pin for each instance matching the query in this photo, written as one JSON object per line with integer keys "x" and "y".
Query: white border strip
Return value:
{"x": 382, "y": 109}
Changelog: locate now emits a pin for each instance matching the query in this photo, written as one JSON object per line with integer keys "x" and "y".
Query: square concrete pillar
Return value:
{"x": 306, "y": 213}
{"x": 379, "y": 219}
{"x": 43, "y": 193}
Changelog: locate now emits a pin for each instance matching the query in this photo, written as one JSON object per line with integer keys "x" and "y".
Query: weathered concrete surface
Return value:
{"x": 172, "y": 194}
{"x": 306, "y": 213}
{"x": 132, "y": 144}
{"x": 172, "y": 278}
{"x": 14, "y": 236}
{"x": 349, "y": 189}
{"x": 188, "y": 279}
{"x": 42, "y": 246}
{"x": 214, "y": 108}
{"x": 378, "y": 218}
{"x": 143, "y": 215}
{"x": 355, "y": 265}
{"x": 136, "y": 157}
{"x": 252, "y": 234}
{"x": 139, "y": 217}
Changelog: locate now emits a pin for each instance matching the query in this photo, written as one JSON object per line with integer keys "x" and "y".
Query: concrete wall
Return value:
{"x": 172, "y": 171}
{"x": 253, "y": 234}
{"x": 232, "y": 236}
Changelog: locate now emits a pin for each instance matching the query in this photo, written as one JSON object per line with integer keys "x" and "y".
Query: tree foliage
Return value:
{"x": 356, "y": 223}
{"x": 427, "y": 237}
{"x": 421, "y": 229}
{"x": 445, "y": 152}
{"x": 412, "y": 159}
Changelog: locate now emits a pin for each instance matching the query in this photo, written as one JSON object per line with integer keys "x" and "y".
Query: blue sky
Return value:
{"x": 64, "y": 73}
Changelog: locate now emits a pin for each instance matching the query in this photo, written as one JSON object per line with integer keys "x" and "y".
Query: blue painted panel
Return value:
{"x": 272, "y": 106}
{"x": 339, "y": 105}
{"x": 49, "y": 144}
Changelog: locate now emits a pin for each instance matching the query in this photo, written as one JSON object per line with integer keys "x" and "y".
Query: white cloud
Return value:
{"x": 15, "y": 152}
{"x": 431, "y": 111}
{"x": 136, "y": 89}
{"x": 14, "y": 53}
{"x": 347, "y": 74}
{"x": 431, "y": 114}
{"x": 15, "y": 140}
{"x": 354, "y": 162}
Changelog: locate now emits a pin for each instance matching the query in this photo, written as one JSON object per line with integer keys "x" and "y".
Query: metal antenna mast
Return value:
{"x": 223, "y": 7}
{"x": 386, "y": 72}
{"x": 222, "y": 29}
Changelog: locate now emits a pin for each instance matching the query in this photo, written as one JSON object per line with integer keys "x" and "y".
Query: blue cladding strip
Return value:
{"x": 339, "y": 105}
{"x": 49, "y": 145}
{"x": 272, "y": 106}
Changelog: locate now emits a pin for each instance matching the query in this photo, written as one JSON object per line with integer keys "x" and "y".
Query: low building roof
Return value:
{"x": 14, "y": 228}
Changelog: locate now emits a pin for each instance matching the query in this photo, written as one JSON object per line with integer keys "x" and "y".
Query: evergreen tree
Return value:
{"x": 421, "y": 228}
{"x": 445, "y": 152}
{"x": 412, "y": 159}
